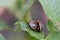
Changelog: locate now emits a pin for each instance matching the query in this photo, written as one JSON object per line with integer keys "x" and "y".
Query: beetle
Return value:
{"x": 36, "y": 25}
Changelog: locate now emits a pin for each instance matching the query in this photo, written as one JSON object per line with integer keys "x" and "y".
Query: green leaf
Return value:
{"x": 51, "y": 26}
{"x": 25, "y": 27}
{"x": 23, "y": 8}
{"x": 53, "y": 36}
{"x": 52, "y": 9}
{"x": 1, "y": 37}
{"x": 19, "y": 4}
{"x": 27, "y": 17}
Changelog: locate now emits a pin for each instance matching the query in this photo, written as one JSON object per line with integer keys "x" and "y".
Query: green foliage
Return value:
{"x": 53, "y": 36}
{"x": 51, "y": 27}
{"x": 52, "y": 10}
{"x": 19, "y": 4}
{"x": 22, "y": 12}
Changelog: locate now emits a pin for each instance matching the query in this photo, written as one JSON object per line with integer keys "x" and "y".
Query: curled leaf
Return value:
{"x": 25, "y": 27}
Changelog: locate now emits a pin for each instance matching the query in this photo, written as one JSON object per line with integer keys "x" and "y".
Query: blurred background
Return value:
{"x": 8, "y": 18}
